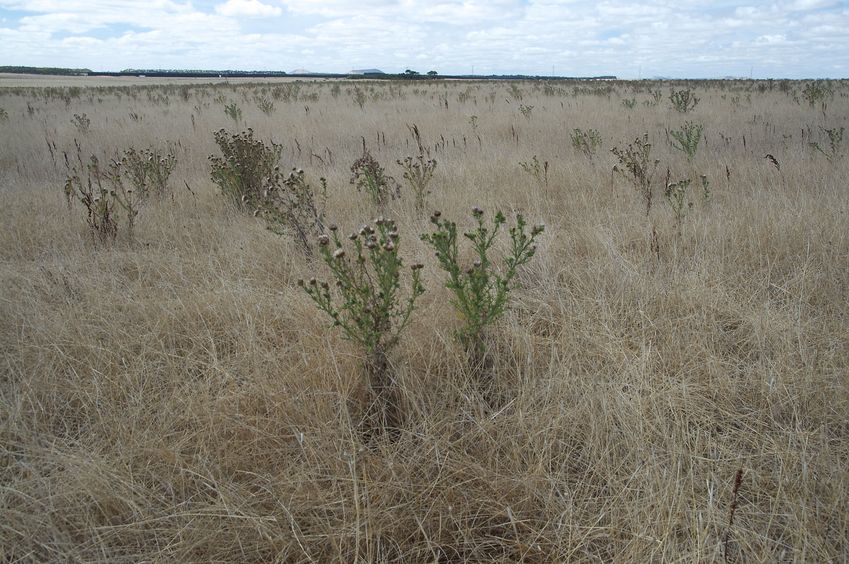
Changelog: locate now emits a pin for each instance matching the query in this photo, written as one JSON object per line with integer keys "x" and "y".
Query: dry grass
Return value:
{"x": 181, "y": 399}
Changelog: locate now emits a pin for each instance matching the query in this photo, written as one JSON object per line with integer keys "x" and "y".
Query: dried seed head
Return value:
{"x": 313, "y": 282}
{"x": 301, "y": 282}
{"x": 477, "y": 263}
{"x": 477, "y": 211}
{"x": 333, "y": 227}
{"x": 353, "y": 236}
{"x": 323, "y": 240}
{"x": 389, "y": 246}
{"x": 339, "y": 253}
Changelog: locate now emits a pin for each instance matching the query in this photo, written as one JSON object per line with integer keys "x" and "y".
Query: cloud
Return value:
{"x": 251, "y": 8}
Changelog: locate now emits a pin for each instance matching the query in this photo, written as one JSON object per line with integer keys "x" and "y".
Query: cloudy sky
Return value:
{"x": 674, "y": 38}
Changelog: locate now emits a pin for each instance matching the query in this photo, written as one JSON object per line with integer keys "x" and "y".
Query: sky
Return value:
{"x": 651, "y": 38}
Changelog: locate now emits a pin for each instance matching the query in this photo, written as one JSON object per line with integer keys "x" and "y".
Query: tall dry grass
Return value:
{"x": 179, "y": 398}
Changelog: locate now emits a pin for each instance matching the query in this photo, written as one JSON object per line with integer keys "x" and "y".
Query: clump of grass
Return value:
{"x": 369, "y": 177}
{"x": 637, "y": 166}
{"x": 481, "y": 290}
{"x": 292, "y": 206}
{"x": 367, "y": 305}
{"x": 587, "y": 142}
{"x": 243, "y": 167}
{"x": 233, "y": 111}
{"x": 265, "y": 105}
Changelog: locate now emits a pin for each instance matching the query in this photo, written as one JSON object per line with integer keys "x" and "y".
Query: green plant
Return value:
{"x": 629, "y": 103}
{"x": 82, "y": 123}
{"x": 687, "y": 140}
{"x": 480, "y": 290}
{"x": 245, "y": 164}
{"x": 817, "y": 92}
{"x": 683, "y": 101}
{"x": 368, "y": 176}
{"x": 265, "y": 105}
{"x": 835, "y": 139}
{"x": 291, "y": 205}
{"x": 538, "y": 171}
{"x": 636, "y": 166}
{"x": 367, "y": 305}
{"x": 676, "y": 195}
{"x": 526, "y": 110}
{"x": 148, "y": 170}
{"x": 359, "y": 97}
{"x": 418, "y": 170}
{"x": 588, "y": 142}
{"x": 233, "y": 111}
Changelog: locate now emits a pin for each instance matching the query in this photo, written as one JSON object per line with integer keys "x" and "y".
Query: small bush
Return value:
{"x": 418, "y": 170}
{"x": 292, "y": 206}
{"x": 683, "y": 101}
{"x": 370, "y": 309}
{"x": 82, "y": 123}
{"x": 587, "y": 142}
{"x": 687, "y": 140}
{"x": 244, "y": 166}
{"x": 148, "y": 171}
{"x": 480, "y": 290}
{"x": 539, "y": 172}
{"x": 369, "y": 177}
{"x": 636, "y": 166}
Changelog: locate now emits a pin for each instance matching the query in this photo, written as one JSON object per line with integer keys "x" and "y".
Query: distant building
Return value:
{"x": 301, "y": 71}
{"x": 366, "y": 71}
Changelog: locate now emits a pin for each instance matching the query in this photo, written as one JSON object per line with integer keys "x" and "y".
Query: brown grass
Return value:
{"x": 181, "y": 399}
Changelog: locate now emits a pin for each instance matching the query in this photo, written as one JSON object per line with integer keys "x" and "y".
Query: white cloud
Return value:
{"x": 253, "y": 8}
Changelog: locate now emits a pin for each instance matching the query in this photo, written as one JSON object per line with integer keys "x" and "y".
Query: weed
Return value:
{"x": 4, "y": 115}
{"x": 480, "y": 291}
{"x": 148, "y": 170}
{"x": 687, "y": 140}
{"x": 588, "y": 142}
{"x": 233, "y": 111}
{"x": 817, "y": 92}
{"x": 526, "y": 111}
{"x": 418, "y": 171}
{"x": 265, "y": 105}
{"x": 629, "y": 103}
{"x": 638, "y": 167}
{"x": 245, "y": 164}
{"x": 82, "y": 123}
{"x": 359, "y": 97}
{"x": 683, "y": 101}
{"x": 676, "y": 195}
{"x": 370, "y": 309}
{"x": 538, "y": 171}
{"x": 835, "y": 139}
{"x": 368, "y": 176}
{"x": 291, "y": 205}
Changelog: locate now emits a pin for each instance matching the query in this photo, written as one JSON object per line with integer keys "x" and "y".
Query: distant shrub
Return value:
{"x": 369, "y": 177}
{"x": 683, "y": 101}
{"x": 148, "y": 170}
{"x": 688, "y": 138}
{"x": 587, "y": 142}
{"x": 292, "y": 206}
{"x": 637, "y": 166}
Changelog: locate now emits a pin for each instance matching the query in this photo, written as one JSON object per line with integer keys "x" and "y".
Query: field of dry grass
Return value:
{"x": 179, "y": 398}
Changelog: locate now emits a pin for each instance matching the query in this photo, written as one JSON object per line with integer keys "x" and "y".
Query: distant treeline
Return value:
{"x": 192, "y": 73}
{"x": 45, "y": 70}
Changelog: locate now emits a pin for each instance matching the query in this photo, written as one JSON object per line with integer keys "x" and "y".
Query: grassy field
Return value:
{"x": 177, "y": 397}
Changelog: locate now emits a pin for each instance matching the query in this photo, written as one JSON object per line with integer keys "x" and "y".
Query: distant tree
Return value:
{"x": 432, "y": 73}
{"x": 410, "y": 72}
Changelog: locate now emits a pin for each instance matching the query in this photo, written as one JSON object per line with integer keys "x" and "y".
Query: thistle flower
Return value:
{"x": 339, "y": 253}
{"x": 323, "y": 240}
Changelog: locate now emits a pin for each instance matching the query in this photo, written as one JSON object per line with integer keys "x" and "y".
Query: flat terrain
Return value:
{"x": 177, "y": 397}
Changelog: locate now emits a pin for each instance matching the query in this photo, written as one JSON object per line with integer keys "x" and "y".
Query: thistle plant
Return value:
{"x": 84, "y": 184}
{"x": 676, "y": 195}
{"x": 526, "y": 111}
{"x": 245, "y": 164}
{"x": 265, "y": 105}
{"x": 683, "y": 101}
{"x": 369, "y": 177}
{"x": 835, "y": 139}
{"x": 148, "y": 171}
{"x": 687, "y": 140}
{"x": 481, "y": 290}
{"x": 629, "y": 103}
{"x": 4, "y": 115}
{"x": 588, "y": 142}
{"x": 817, "y": 92}
{"x": 539, "y": 172}
{"x": 636, "y": 166}
{"x": 292, "y": 206}
{"x": 233, "y": 111}
{"x": 367, "y": 304}
{"x": 82, "y": 123}
{"x": 418, "y": 170}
